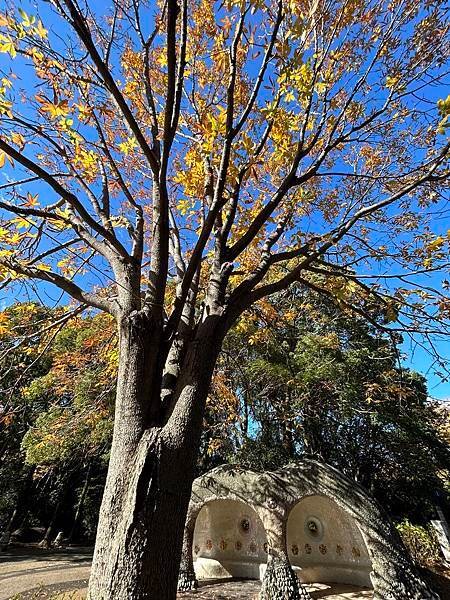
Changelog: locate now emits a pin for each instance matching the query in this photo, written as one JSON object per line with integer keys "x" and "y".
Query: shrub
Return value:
{"x": 421, "y": 543}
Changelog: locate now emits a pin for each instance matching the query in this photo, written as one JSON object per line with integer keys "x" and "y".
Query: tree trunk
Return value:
{"x": 23, "y": 498}
{"x": 148, "y": 487}
{"x": 45, "y": 542}
{"x": 80, "y": 505}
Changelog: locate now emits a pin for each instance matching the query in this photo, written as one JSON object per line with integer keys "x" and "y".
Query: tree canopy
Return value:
{"x": 260, "y": 143}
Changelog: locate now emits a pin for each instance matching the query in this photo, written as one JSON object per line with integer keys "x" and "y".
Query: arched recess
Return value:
{"x": 325, "y": 544}
{"x": 229, "y": 540}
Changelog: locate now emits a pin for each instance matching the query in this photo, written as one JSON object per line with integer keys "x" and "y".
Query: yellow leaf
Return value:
{"x": 289, "y": 96}
{"x": 27, "y": 20}
{"x": 392, "y": 81}
{"x": 60, "y": 109}
{"x": 18, "y": 139}
{"x": 43, "y": 267}
{"x": 183, "y": 206}
{"x": 22, "y": 222}
{"x": 3, "y": 157}
{"x": 40, "y": 30}
{"x": 436, "y": 244}
{"x": 7, "y": 46}
{"x": 5, "y": 107}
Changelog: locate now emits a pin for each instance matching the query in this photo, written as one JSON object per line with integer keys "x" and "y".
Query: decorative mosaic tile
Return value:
{"x": 196, "y": 549}
{"x": 308, "y": 549}
{"x": 356, "y": 552}
{"x": 238, "y": 545}
{"x": 253, "y": 548}
{"x": 323, "y": 549}
{"x": 209, "y": 544}
{"x": 339, "y": 550}
{"x": 294, "y": 549}
{"x": 223, "y": 544}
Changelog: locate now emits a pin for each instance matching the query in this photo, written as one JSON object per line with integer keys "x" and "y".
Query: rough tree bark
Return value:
{"x": 140, "y": 531}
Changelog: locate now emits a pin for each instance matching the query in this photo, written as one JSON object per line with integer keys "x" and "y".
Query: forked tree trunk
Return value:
{"x": 140, "y": 531}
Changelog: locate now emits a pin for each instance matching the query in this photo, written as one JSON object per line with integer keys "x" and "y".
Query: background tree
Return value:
{"x": 146, "y": 145}
{"x": 300, "y": 375}
{"x": 57, "y": 417}
{"x": 24, "y": 338}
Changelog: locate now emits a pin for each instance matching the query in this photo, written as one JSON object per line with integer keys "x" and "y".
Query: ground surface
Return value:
{"x": 36, "y": 574}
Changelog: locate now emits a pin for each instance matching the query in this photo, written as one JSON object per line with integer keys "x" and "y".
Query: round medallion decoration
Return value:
{"x": 245, "y": 525}
{"x": 313, "y": 528}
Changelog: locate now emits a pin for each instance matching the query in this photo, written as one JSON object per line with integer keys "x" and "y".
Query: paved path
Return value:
{"x": 20, "y": 572}
{"x": 39, "y": 574}
{"x": 248, "y": 590}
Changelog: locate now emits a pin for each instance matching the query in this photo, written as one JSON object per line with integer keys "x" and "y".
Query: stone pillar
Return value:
{"x": 280, "y": 581}
{"x": 187, "y": 580}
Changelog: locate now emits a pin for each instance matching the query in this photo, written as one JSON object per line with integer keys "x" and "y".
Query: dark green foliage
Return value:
{"x": 327, "y": 384}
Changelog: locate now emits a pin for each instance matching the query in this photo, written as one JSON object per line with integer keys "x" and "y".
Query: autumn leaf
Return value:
{"x": 27, "y": 20}
{"x": 22, "y": 222}
{"x": 40, "y": 30}
{"x": 43, "y": 267}
{"x": 18, "y": 139}
{"x": 31, "y": 200}
{"x": 60, "y": 109}
{"x": 7, "y": 45}
{"x": 3, "y": 158}
{"x": 436, "y": 244}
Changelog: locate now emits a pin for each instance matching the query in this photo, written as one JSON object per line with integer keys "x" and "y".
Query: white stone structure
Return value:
{"x": 326, "y": 545}
{"x": 303, "y": 523}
